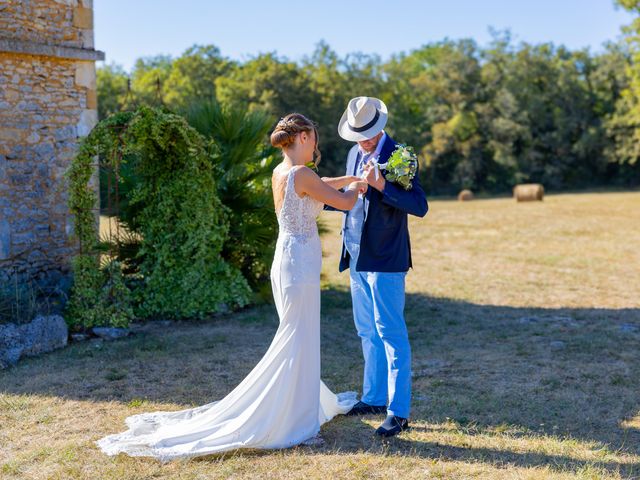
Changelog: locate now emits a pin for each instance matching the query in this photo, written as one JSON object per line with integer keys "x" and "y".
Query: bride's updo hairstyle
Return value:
{"x": 290, "y": 126}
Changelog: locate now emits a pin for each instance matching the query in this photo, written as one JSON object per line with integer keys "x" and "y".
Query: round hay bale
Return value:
{"x": 528, "y": 192}
{"x": 465, "y": 195}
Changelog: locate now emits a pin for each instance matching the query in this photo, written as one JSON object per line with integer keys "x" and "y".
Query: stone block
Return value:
{"x": 85, "y": 75}
{"x": 66, "y": 133}
{"x": 11, "y": 135}
{"x": 88, "y": 120}
{"x": 11, "y": 345}
{"x": 83, "y": 17}
{"x": 44, "y": 150}
{"x": 44, "y": 334}
{"x": 25, "y": 238}
{"x": 110, "y": 333}
{"x": 19, "y": 180}
{"x": 5, "y": 239}
{"x": 87, "y": 39}
{"x": 33, "y": 138}
{"x": 11, "y": 95}
{"x": 92, "y": 99}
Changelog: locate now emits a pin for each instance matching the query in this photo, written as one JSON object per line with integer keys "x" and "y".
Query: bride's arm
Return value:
{"x": 340, "y": 182}
{"x": 307, "y": 182}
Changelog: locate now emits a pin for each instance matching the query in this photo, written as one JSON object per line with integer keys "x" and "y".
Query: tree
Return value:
{"x": 482, "y": 118}
{"x": 193, "y": 76}
{"x": 148, "y": 79}
{"x": 624, "y": 124}
{"x": 112, "y": 89}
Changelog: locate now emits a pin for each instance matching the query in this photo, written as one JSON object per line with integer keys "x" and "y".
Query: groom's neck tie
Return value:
{"x": 361, "y": 160}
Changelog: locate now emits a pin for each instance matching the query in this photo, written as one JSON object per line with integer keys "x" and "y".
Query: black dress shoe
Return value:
{"x": 362, "y": 408}
{"x": 392, "y": 426}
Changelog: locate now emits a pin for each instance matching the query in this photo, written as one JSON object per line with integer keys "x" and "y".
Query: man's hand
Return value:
{"x": 369, "y": 174}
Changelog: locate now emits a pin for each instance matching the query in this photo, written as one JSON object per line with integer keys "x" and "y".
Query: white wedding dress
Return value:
{"x": 282, "y": 402}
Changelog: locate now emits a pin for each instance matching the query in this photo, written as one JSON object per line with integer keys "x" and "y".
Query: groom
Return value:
{"x": 377, "y": 251}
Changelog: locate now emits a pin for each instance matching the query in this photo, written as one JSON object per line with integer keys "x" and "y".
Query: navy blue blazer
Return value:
{"x": 385, "y": 245}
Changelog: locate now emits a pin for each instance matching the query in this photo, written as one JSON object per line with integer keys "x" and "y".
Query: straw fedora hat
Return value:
{"x": 363, "y": 119}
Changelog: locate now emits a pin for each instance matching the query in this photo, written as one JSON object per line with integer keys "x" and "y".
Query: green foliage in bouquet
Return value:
{"x": 401, "y": 166}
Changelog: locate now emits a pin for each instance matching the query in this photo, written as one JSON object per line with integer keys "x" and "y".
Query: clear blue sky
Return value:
{"x": 128, "y": 29}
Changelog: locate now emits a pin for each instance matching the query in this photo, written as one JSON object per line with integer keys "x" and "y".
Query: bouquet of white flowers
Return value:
{"x": 401, "y": 166}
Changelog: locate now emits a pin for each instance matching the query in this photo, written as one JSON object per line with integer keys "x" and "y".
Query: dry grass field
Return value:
{"x": 525, "y": 328}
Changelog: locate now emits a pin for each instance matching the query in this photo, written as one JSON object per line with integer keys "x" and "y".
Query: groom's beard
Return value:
{"x": 371, "y": 149}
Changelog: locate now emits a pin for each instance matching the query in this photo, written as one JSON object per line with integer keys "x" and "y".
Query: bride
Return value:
{"x": 282, "y": 402}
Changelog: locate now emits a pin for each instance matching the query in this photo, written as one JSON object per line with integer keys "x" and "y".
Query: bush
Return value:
{"x": 99, "y": 295}
{"x": 169, "y": 204}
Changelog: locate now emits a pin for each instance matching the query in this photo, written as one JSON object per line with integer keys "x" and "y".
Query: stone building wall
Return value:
{"x": 47, "y": 102}
{"x": 67, "y": 23}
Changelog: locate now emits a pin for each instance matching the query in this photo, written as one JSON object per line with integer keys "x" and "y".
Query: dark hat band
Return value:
{"x": 367, "y": 126}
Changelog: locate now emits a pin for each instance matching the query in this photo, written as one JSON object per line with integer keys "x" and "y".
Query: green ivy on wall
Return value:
{"x": 170, "y": 205}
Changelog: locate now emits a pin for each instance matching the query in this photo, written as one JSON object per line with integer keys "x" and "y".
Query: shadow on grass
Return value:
{"x": 568, "y": 374}
{"x": 362, "y": 440}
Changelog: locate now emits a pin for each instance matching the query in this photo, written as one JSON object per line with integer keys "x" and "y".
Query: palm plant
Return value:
{"x": 243, "y": 163}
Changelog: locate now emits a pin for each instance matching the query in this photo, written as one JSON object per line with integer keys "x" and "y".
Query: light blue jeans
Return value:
{"x": 378, "y": 311}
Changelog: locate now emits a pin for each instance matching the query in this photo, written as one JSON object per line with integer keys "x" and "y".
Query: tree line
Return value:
{"x": 481, "y": 117}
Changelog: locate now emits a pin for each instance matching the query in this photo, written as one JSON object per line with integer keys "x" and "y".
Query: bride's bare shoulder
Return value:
{"x": 302, "y": 171}
{"x": 305, "y": 180}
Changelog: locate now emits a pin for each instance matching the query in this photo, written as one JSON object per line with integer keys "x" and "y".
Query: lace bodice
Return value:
{"x": 297, "y": 215}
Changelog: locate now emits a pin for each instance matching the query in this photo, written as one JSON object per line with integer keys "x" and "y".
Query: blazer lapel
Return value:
{"x": 387, "y": 149}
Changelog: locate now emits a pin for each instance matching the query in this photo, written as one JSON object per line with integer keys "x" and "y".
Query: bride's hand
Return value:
{"x": 359, "y": 186}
